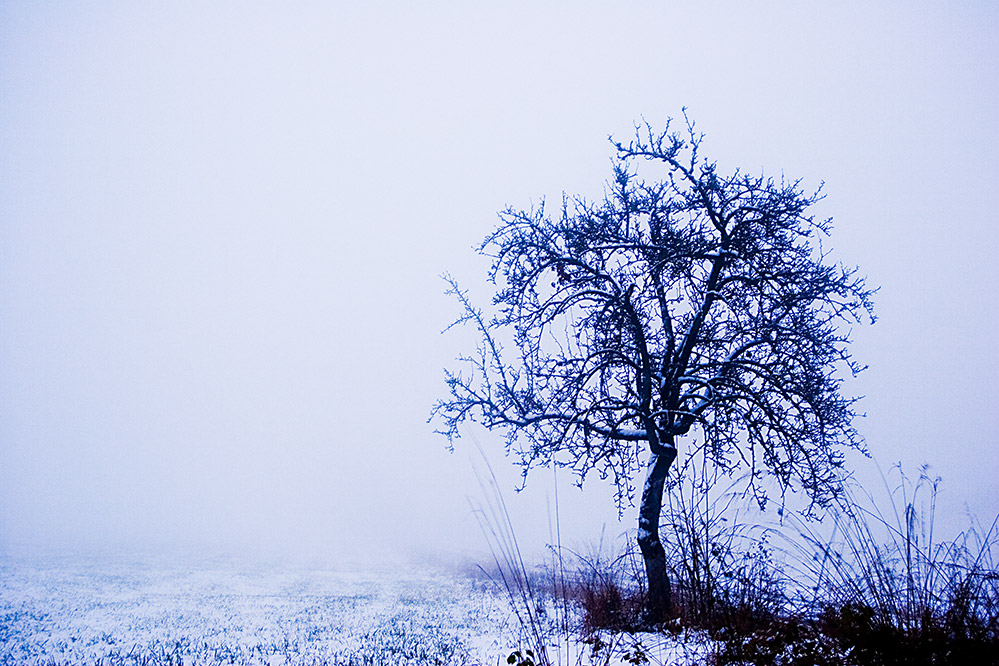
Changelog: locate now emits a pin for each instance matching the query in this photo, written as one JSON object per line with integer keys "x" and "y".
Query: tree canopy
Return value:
{"x": 695, "y": 301}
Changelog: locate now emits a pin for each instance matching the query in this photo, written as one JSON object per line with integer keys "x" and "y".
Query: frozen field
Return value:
{"x": 114, "y": 612}
{"x": 103, "y": 611}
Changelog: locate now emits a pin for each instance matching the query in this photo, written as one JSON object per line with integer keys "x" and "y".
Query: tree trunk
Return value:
{"x": 659, "y": 601}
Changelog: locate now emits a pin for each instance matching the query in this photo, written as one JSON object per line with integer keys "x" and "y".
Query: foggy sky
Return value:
{"x": 222, "y": 230}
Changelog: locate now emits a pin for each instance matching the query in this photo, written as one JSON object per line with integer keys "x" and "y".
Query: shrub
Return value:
{"x": 888, "y": 591}
{"x": 722, "y": 567}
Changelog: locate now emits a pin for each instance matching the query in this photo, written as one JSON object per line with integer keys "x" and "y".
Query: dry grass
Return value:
{"x": 867, "y": 583}
{"x": 877, "y": 589}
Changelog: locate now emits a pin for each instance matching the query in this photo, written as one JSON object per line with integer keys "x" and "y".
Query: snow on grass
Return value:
{"x": 99, "y": 611}
{"x": 116, "y": 612}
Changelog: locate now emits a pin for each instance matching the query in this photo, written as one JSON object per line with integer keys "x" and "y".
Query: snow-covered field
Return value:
{"x": 111, "y": 611}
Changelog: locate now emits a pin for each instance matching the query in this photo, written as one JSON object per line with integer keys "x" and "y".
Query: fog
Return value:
{"x": 222, "y": 230}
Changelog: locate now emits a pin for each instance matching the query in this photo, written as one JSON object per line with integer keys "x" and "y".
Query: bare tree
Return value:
{"x": 696, "y": 305}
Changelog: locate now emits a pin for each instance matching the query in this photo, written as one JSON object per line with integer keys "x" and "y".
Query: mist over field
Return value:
{"x": 222, "y": 230}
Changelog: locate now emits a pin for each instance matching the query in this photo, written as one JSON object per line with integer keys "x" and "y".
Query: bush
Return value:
{"x": 876, "y": 588}
{"x": 607, "y": 588}
{"x": 888, "y": 591}
{"x": 881, "y": 589}
{"x": 724, "y": 575}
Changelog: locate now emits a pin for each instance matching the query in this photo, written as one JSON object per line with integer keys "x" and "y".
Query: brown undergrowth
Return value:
{"x": 867, "y": 582}
{"x": 876, "y": 588}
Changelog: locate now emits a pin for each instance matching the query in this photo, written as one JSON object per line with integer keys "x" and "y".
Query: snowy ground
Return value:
{"x": 109, "y": 612}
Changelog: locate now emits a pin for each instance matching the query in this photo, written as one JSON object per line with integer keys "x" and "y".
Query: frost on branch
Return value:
{"x": 694, "y": 301}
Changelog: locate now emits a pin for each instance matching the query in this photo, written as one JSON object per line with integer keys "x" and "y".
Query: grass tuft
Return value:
{"x": 867, "y": 584}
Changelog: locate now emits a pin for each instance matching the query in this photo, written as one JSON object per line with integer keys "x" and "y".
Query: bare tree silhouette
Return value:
{"x": 695, "y": 305}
